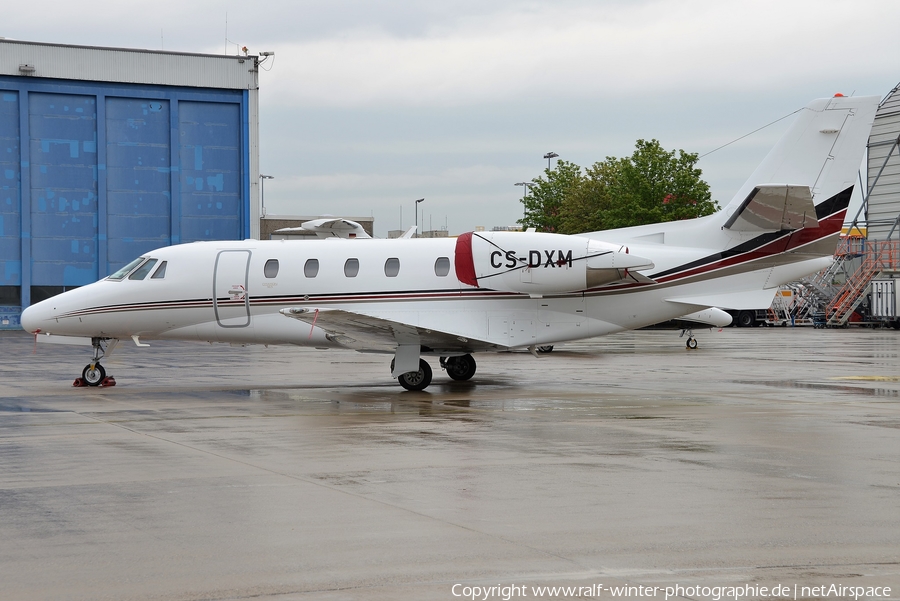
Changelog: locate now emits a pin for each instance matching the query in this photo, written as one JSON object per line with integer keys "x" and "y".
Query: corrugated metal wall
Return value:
{"x": 884, "y": 169}
{"x": 94, "y": 174}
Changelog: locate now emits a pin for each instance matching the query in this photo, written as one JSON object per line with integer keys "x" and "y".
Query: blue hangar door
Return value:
{"x": 93, "y": 175}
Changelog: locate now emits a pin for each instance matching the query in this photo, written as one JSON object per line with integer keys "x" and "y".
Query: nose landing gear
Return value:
{"x": 94, "y": 374}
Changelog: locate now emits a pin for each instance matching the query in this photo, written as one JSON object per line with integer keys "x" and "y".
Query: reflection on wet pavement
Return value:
{"x": 285, "y": 473}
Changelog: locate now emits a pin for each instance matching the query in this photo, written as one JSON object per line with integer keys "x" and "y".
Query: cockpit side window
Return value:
{"x": 160, "y": 272}
{"x": 141, "y": 272}
{"x": 120, "y": 274}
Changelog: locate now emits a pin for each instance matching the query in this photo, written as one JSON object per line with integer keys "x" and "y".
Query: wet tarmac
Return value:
{"x": 766, "y": 457}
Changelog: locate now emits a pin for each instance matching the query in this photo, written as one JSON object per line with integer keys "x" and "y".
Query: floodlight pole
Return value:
{"x": 550, "y": 156}
{"x": 262, "y": 193}
{"x": 416, "y": 205}
{"x": 526, "y": 186}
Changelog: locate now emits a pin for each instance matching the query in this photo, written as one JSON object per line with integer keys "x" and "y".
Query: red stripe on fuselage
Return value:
{"x": 827, "y": 227}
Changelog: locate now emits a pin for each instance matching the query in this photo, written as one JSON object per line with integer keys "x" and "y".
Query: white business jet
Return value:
{"x": 486, "y": 291}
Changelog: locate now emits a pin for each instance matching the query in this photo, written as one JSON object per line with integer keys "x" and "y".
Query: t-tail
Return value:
{"x": 786, "y": 218}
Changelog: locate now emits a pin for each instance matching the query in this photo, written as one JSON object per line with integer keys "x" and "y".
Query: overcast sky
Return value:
{"x": 369, "y": 105}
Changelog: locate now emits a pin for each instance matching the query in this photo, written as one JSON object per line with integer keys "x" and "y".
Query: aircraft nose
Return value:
{"x": 35, "y": 317}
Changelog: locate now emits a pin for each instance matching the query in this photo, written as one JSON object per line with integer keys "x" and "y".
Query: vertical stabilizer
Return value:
{"x": 822, "y": 149}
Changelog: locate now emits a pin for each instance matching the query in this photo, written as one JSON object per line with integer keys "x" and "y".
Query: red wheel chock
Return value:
{"x": 107, "y": 381}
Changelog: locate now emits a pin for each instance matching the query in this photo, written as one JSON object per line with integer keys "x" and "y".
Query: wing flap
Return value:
{"x": 366, "y": 331}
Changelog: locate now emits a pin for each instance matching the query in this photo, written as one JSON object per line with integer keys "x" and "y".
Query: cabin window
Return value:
{"x": 121, "y": 273}
{"x": 311, "y": 268}
{"x": 141, "y": 272}
{"x": 392, "y": 267}
{"x": 351, "y": 268}
{"x": 160, "y": 272}
{"x": 442, "y": 267}
{"x": 271, "y": 268}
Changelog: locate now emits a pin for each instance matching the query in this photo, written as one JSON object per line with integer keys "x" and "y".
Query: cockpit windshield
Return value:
{"x": 120, "y": 274}
{"x": 141, "y": 272}
{"x": 160, "y": 273}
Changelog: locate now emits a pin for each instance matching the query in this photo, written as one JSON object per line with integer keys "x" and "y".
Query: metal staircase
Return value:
{"x": 820, "y": 289}
{"x": 878, "y": 257}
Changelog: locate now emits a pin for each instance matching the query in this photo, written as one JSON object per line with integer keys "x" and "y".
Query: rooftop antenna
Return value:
{"x": 226, "y": 32}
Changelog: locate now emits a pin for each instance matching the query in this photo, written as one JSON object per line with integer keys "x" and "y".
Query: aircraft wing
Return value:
{"x": 335, "y": 227}
{"x": 744, "y": 299}
{"x": 362, "y": 331}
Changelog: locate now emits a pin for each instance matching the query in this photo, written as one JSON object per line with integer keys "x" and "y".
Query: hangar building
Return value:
{"x": 106, "y": 153}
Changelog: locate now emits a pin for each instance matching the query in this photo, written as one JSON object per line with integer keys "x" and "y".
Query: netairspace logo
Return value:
{"x": 715, "y": 593}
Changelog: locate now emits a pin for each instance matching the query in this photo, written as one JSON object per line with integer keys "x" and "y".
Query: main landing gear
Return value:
{"x": 94, "y": 374}
{"x": 459, "y": 368}
{"x": 416, "y": 380}
{"x": 691, "y": 342}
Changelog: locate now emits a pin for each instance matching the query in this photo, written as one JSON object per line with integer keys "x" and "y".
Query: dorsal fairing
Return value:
{"x": 541, "y": 263}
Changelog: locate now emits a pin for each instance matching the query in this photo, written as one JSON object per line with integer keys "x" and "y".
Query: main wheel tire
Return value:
{"x": 461, "y": 368}
{"x": 547, "y": 348}
{"x": 745, "y": 319}
{"x": 416, "y": 380}
{"x": 93, "y": 376}
{"x": 691, "y": 343}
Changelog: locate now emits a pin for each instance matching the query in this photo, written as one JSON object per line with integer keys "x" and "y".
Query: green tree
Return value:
{"x": 542, "y": 204}
{"x": 585, "y": 208}
{"x": 651, "y": 186}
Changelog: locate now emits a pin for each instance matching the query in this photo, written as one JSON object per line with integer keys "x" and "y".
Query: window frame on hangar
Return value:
{"x": 108, "y": 153}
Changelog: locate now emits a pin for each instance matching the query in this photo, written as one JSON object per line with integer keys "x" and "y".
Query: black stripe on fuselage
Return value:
{"x": 836, "y": 203}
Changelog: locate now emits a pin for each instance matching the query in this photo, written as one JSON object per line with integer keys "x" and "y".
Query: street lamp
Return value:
{"x": 416, "y": 205}
{"x": 526, "y": 187}
{"x": 262, "y": 193}
{"x": 550, "y": 156}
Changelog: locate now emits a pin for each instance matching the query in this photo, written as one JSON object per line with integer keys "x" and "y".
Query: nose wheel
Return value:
{"x": 93, "y": 373}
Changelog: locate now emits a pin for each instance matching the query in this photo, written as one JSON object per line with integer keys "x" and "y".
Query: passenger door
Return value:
{"x": 231, "y": 299}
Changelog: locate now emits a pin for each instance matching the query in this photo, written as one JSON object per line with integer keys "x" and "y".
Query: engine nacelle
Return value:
{"x": 541, "y": 263}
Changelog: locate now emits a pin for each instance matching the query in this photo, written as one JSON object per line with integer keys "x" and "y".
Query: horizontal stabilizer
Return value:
{"x": 775, "y": 207}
